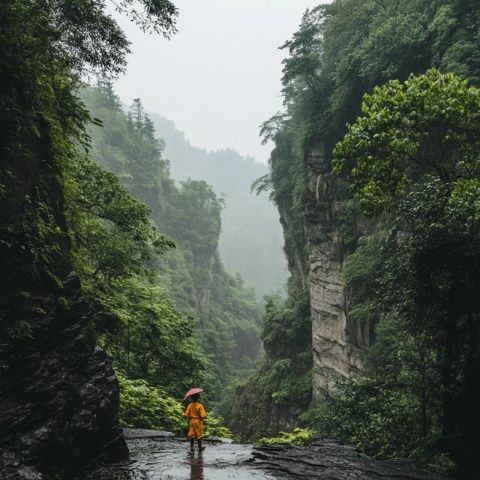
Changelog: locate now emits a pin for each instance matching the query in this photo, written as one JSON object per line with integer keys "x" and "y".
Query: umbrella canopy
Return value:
{"x": 192, "y": 391}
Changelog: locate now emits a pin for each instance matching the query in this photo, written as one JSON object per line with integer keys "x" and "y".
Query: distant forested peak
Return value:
{"x": 251, "y": 240}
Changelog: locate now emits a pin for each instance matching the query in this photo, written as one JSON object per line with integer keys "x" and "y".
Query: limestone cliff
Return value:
{"x": 336, "y": 340}
{"x": 310, "y": 206}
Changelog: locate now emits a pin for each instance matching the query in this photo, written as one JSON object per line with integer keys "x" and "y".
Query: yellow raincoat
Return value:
{"x": 196, "y": 415}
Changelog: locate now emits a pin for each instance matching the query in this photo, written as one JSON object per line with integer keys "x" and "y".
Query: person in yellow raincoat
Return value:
{"x": 196, "y": 414}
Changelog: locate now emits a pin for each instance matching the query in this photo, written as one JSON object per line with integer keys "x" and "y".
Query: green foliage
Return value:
{"x": 281, "y": 386}
{"x": 411, "y": 162}
{"x": 82, "y": 35}
{"x": 113, "y": 235}
{"x": 46, "y": 47}
{"x": 214, "y": 427}
{"x": 380, "y": 419}
{"x": 428, "y": 269}
{"x": 41, "y": 121}
{"x": 299, "y": 436}
{"x": 286, "y": 323}
{"x": 362, "y": 272}
{"x": 113, "y": 241}
{"x": 144, "y": 406}
{"x": 393, "y": 409}
{"x": 197, "y": 220}
{"x": 286, "y": 376}
{"x": 427, "y": 124}
{"x": 348, "y": 225}
{"x": 149, "y": 339}
{"x": 138, "y": 325}
{"x": 191, "y": 292}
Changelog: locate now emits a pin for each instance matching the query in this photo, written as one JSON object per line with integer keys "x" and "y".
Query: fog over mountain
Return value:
{"x": 218, "y": 78}
{"x": 251, "y": 241}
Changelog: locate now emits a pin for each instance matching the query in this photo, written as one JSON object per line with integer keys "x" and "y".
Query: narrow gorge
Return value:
{"x": 140, "y": 268}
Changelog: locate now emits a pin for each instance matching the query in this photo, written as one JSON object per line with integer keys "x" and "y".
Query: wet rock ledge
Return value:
{"x": 333, "y": 460}
{"x": 160, "y": 455}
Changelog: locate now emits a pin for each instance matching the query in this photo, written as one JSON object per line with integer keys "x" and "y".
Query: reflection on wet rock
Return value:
{"x": 167, "y": 458}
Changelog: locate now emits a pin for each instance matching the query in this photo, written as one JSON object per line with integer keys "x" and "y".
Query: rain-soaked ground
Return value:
{"x": 170, "y": 460}
{"x": 160, "y": 456}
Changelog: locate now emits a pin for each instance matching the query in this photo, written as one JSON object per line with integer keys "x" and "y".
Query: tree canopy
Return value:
{"x": 427, "y": 125}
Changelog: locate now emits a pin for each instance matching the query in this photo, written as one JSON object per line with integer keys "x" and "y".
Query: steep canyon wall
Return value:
{"x": 337, "y": 341}
{"x": 332, "y": 341}
{"x": 58, "y": 392}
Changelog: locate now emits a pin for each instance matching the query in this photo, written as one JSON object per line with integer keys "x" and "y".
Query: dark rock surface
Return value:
{"x": 157, "y": 457}
{"x": 332, "y": 460}
{"x": 58, "y": 392}
{"x": 59, "y": 397}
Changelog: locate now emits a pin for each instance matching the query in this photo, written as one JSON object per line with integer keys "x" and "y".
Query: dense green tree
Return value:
{"x": 114, "y": 243}
{"x": 112, "y": 231}
{"x": 281, "y": 387}
{"x": 45, "y": 48}
{"x": 427, "y": 125}
{"x": 415, "y": 154}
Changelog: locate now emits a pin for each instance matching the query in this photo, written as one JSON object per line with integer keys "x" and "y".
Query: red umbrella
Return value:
{"x": 192, "y": 391}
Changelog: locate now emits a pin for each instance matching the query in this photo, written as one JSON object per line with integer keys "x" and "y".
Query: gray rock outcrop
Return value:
{"x": 336, "y": 340}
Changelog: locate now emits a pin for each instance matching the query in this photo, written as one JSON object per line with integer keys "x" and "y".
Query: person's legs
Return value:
{"x": 200, "y": 448}
{"x": 192, "y": 444}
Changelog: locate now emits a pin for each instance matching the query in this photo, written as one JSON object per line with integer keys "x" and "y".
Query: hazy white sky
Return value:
{"x": 218, "y": 79}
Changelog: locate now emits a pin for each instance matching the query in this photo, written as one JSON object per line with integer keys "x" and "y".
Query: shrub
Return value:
{"x": 145, "y": 406}
{"x": 299, "y": 436}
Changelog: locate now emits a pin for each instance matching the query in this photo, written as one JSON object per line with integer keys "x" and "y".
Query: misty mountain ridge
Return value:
{"x": 251, "y": 242}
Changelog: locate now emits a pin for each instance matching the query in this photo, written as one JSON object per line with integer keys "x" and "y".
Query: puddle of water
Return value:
{"x": 171, "y": 460}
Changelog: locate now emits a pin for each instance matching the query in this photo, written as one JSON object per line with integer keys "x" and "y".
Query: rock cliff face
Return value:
{"x": 336, "y": 340}
{"x": 315, "y": 253}
{"x": 59, "y": 398}
{"x": 58, "y": 392}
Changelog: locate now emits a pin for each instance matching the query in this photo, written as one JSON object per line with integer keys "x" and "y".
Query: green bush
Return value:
{"x": 145, "y": 406}
{"x": 214, "y": 427}
{"x": 379, "y": 418}
{"x": 299, "y": 436}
